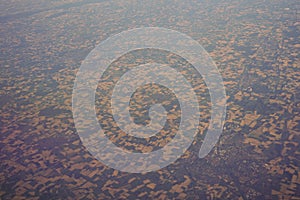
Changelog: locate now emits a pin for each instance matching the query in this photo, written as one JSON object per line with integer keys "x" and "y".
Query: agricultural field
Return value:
{"x": 255, "y": 46}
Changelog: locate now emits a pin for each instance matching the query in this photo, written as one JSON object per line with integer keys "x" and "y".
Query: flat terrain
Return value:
{"x": 255, "y": 45}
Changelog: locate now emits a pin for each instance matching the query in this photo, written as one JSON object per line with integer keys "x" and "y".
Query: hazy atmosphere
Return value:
{"x": 237, "y": 114}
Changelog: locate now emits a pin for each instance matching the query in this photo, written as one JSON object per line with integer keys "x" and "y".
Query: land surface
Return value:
{"x": 255, "y": 45}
